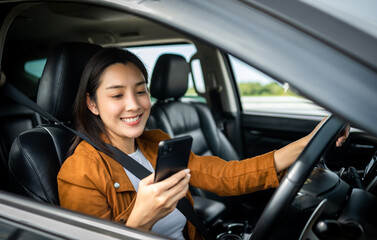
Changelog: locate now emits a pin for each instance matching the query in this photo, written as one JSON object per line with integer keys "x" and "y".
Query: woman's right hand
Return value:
{"x": 156, "y": 200}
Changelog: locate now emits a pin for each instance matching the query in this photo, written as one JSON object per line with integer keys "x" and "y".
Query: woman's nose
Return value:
{"x": 132, "y": 103}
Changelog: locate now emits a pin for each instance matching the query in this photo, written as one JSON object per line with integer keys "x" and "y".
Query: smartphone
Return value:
{"x": 173, "y": 156}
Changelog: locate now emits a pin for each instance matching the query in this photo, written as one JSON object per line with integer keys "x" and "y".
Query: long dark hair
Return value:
{"x": 85, "y": 121}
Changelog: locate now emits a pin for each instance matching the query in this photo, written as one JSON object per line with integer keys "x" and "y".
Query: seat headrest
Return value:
{"x": 170, "y": 77}
{"x": 61, "y": 77}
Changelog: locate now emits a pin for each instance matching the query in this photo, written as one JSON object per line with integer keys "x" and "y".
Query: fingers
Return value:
{"x": 343, "y": 136}
{"x": 170, "y": 198}
{"x": 179, "y": 190}
{"x": 173, "y": 180}
{"x": 155, "y": 200}
{"x": 168, "y": 192}
{"x": 172, "y": 189}
{"x": 148, "y": 180}
{"x": 340, "y": 141}
{"x": 347, "y": 130}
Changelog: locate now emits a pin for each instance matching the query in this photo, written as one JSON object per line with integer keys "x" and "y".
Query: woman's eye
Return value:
{"x": 117, "y": 96}
{"x": 141, "y": 91}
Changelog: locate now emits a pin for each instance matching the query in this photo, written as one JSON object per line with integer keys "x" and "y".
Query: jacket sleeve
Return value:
{"x": 231, "y": 178}
{"x": 81, "y": 188}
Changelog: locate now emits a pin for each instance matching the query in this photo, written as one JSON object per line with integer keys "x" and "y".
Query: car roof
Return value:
{"x": 361, "y": 14}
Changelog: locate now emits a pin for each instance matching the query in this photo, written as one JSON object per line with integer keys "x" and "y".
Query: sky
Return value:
{"x": 243, "y": 72}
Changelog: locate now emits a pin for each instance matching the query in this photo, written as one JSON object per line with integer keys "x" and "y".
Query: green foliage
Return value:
{"x": 257, "y": 89}
{"x": 191, "y": 92}
{"x": 193, "y": 96}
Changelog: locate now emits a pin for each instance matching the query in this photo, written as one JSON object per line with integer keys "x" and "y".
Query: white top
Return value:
{"x": 172, "y": 225}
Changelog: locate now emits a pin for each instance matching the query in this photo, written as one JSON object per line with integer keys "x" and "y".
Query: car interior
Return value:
{"x": 61, "y": 38}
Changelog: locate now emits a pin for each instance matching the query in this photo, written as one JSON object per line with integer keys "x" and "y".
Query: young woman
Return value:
{"x": 113, "y": 106}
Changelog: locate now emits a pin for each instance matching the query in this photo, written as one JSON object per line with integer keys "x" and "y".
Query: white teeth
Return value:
{"x": 130, "y": 120}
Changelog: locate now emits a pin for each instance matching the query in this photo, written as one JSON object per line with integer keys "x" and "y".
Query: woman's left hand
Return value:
{"x": 342, "y": 137}
{"x": 285, "y": 156}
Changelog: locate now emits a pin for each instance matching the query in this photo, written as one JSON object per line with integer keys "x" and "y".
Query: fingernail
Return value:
{"x": 187, "y": 170}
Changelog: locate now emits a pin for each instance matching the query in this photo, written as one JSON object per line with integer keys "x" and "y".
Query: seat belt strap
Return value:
{"x": 122, "y": 158}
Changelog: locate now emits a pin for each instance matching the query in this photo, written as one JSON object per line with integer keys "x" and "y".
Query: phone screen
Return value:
{"x": 173, "y": 156}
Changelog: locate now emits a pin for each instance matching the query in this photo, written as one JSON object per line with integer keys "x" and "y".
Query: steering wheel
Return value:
{"x": 296, "y": 176}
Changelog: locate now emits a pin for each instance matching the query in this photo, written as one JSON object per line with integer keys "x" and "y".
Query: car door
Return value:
{"x": 273, "y": 114}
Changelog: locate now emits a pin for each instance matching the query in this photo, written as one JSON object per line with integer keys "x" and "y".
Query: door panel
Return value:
{"x": 264, "y": 133}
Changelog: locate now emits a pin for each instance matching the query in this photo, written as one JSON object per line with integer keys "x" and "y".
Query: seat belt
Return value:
{"x": 126, "y": 161}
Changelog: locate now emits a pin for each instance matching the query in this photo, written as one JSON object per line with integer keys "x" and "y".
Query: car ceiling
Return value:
{"x": 44, "y": 25}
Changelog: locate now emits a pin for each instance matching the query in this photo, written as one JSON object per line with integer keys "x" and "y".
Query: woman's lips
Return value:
{"x": 132, "y": 120}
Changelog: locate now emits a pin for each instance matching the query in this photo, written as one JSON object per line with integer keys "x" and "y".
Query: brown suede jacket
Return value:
{"x": 93, "y": 183}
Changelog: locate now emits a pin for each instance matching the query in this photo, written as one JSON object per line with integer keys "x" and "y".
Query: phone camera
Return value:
{"x": 165, "y": 149}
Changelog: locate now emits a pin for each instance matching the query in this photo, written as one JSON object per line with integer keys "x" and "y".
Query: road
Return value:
{"x": 282, "y": 104}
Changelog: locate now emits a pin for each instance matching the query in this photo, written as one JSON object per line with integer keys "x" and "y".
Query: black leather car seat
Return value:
{"x": 14, "y": 119}
{"x": 37, "y": 154}
{"x": 169, "y": 83}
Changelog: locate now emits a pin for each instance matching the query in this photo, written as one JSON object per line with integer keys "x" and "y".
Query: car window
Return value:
{"x": 259, "y": 92}
{"x": 150, "y": 54}
{"x": 35, "y": 67}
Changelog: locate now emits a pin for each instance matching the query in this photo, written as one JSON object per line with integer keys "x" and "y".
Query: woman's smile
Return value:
{"x": 132, "y": 120}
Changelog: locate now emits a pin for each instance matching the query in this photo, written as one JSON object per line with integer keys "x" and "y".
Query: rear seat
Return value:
{"x": 14, "y": 119}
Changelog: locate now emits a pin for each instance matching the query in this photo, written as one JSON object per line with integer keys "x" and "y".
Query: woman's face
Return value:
{"x": 122, "y": 102}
